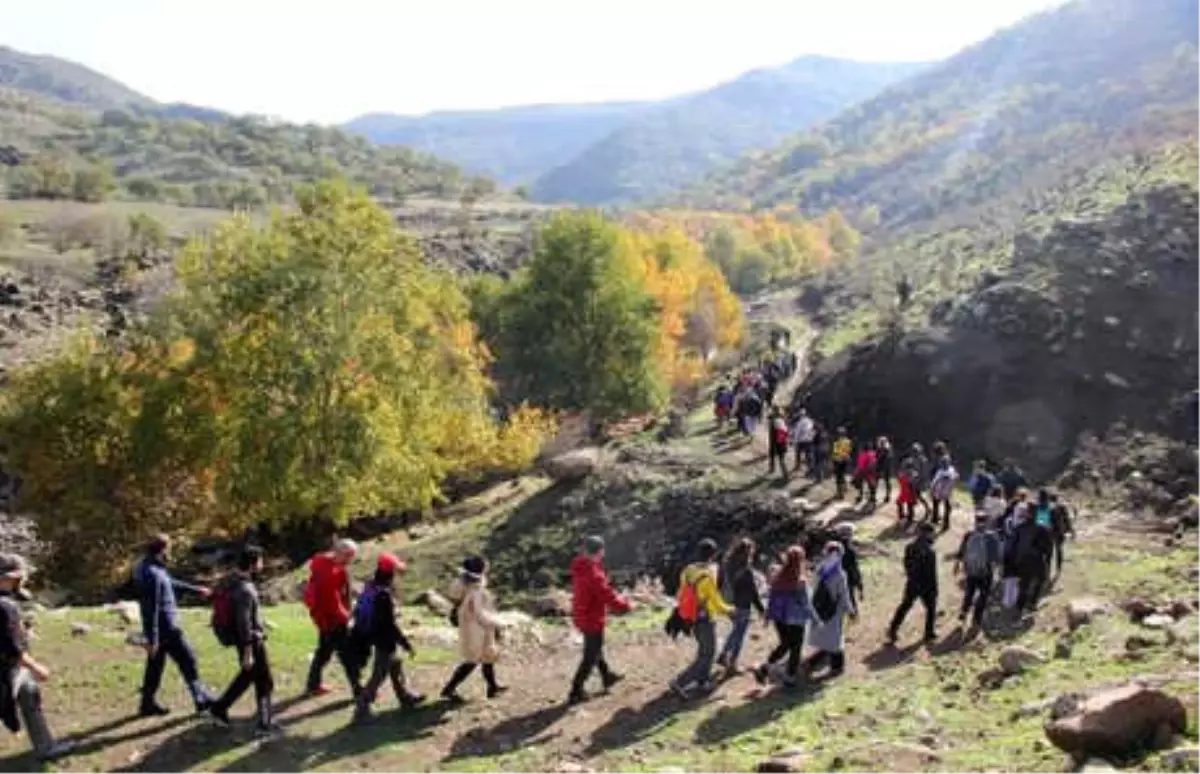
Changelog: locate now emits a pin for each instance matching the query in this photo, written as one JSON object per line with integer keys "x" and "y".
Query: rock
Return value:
{"x": 572, "y": 767}
{"x": 1157, "y": 621}
{"x": 1096, "y": 767}
{"x": 1179, "y": 608}
{"x": 127, "y": 612}
{"x": 555, "y": 603}
{"x": 1118, "y": 723}
{"x": 136, "y": 639}
{"x": 1062, "y": 648}
{"x": 80, "y": 629}
{"x": 573, "y": 465}
{"x": 928, "y": 740}
{"x": 1083, "y": 611}
{"x": 1183, "y": 759}
{"x": 438, "y": 636}
{"x": 1015, "y": 658}
{"x": 436, "y": 603}
{"x": 1137, "y": 608}
{"x": 991, "y": 679}
{"x": 1182, "y": 632}
{"x": 779, "y": 764}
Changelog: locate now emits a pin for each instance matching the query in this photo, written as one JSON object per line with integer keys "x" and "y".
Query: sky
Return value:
{"x": 330, "y": 61}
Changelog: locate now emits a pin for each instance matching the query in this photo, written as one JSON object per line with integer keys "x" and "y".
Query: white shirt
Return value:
{"x": 805, "y": 430}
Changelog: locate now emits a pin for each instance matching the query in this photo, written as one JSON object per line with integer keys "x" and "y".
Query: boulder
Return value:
{"x": 1137, "y": 608}
{"x": 1157, "y": 621}
{"x": 1083, "y": 611}
{"x": 1183, "y": 759}
{"x": 1179, "y": 608}
{"x": 436, "y": 603}
{"x": 127, "y": 612}
{"x": 1015, "y": 658}
{"x": 80, "y": 629}
{"x": 1118, "y": 723}
{"x": 1062, "y": 648}
{"x": 781, "y": 764}
{"x": 573, "y": 465}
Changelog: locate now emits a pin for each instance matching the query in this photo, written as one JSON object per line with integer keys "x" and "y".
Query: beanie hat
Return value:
{"x": 473, "y": 568}
{"x": 593, "y": 544}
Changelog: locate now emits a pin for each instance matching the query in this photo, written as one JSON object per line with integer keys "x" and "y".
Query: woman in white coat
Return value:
{"x": 478, "y": 629}
{"x": 827, "y": 635}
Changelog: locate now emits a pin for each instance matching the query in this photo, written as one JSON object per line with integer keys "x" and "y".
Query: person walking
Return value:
{"x": 249, "y": 638}
{"x": 803, "y": 432}
{"x": 700, "y": 598}
{"x": 789, "y": 609}
{"x": 592, "y": 597}
{"x": 978, "y": 554}
{"x": 854, "y": 579}
{"x": 981, "y": 483}
{"x": 1010, "y": 554}
{"x": 164, "y": 638}
{"x": 866, "y": 471}
{"x": 842, "y": 451}
{"x": 479, "y": 630}
{"x": 921, "y": 583}
{"x": 831, "y": 603}
{"x": 21, "y": 675}
{"x": 918, "y": 466}
{"x": 738, "y": 585}
{"x": 777, "y": 443}
{"x": 885, "y": 464}
{"x": 1011, "y": 480}
{"x": 1033, "y": 544}
{"x": 327, "y": 597}
{"x": 941, "y": 490}
{"x": 820, "y": 453}
{"x": 377, "y": 631}
{"x": 1060, "y": 527}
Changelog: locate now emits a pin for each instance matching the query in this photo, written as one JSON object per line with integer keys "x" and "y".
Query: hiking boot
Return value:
{"x": 611, "y": 679}
{"x": 576, "y": 697}
{"x": 760, "y": 674}
{"x": 362, "y": 715}
{"x": 454, "y": 698}
{"x": 56, "y": 751}
{"x": 153, "y": 710}
{"x": 219, "y": 716}
{"x": 496, "y": 690}
{"x": 268, "y": 730}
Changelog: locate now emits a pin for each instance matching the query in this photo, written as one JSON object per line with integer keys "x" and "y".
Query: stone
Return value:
{"x": 80, "y": 629}
{"x": 127, "y": 612}
{"x": 1062, "y": 648}
{"x": 1137, "y": 608}
{"x": 436, "y": 603}
{"x": 779, "y": 764}
{"x": 1157, "y": 621}
{"x": 573, "y": 465}
{"x": 1179, "y": 608}
{"x": 572, "y": 767}
{"x": 1118, "y": 723}
{"x": 1183, "y": 759}
{"x": 1014, "y": 659}
{"x": 1083, "y": 611}
{"x": 1096, "y": 767}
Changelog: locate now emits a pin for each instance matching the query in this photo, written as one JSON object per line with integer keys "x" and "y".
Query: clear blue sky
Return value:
{"x": 332, "y": 60}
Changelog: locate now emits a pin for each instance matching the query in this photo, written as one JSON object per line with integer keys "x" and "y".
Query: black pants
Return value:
{"x": 944, "y": 509}
{"x": 885, "y": 478}
{"x": 593, "y": 658}
{"x": 804, "y": 456}
{"x": 387, "y": 667}
{"x": 172, "y": 643}
{"x": 1059, "y": 541}
{"x": 1030, "y": 579}
{"x": 464, "y": 671}
{"x": 258, "y": 675}
{"x": 836, "y": 659}
{"x": 329, "y": 643}
{"x": 778, "y": 453}
{"x": 839, "y": 475}
{"x": 976, "y": 594}
{"x": 791, "y": 643}
{"x": 928, "y": 598}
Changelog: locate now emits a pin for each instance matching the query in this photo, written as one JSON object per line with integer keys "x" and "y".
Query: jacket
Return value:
{"x": 742, "y": 587}
{"x": 866, "y": 468}
{"x": 13, "y": 644}
{"x": 477, "y": 622}
{"x": 708, "y": 596}
{"x": 944, "y": 479}
{"x": 920, "y": 565}
{"x": 850, "y": 566}
{"x": 993, "y": 549}
{"x": 592, "y": 595}
{"x": 331, "y": 593}
{"x": 884, "y": 461}
{"x": 156, "y": 598}
{"x": 842, "y": 449}
{"x": 791, "y": 607}
{"x": 980, "y": 485}
{"x": 804, "y": 430}
{"x": 830, "y": 636}
{"x": 1010, "y": 480}
{"x": 385, "y": 628}
{"x": 247, "y": 618}
{"x": 1061, "y": 524}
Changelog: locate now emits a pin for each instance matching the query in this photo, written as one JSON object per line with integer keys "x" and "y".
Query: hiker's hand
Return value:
{"x": 247, "y": 661}
{"x": 39, "y": 672}
{"x": 204, "y": 591}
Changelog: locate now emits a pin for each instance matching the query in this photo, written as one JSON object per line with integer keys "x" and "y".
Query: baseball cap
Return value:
{"x": 390, "y": 563}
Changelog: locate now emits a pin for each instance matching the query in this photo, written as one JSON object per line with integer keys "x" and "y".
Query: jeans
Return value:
{"x": 593, "y": 658}
{"x": 258, "y": 675}
{"x": 29, "y": 702}
{"x": 791, "y": 643}
{"x": 172, "y": 643}
{"x": 945, "y": 508}
{"x": 976, "y": 593}
{"x": 803, "y": 455}
{"x": 737, "y": 638}
{"x": 329, "y": 643}
{"x": 778, "y": 453}
{"x": 700, "y": 670}
{"x": 928, "y": 598}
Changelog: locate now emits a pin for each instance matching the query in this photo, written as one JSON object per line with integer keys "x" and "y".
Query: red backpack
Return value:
{"x": 780, "y": 434}
{"x": 222, "y": 614}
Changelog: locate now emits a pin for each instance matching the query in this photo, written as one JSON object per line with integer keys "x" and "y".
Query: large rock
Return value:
{"x": 1081, "y": 612}
{"x": 1119, "y": 723}
{"x": 1015, "y": 659}
{"x": 574, "y": 465}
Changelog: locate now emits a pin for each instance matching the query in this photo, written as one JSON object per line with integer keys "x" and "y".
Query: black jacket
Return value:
{"x": 850, "y": 566}
{"x": 385, "y": 629}
{"x": 247, "y": 617}
{"x": 920, "y": 565}
{"x": 13, "y": 645}
{"x": 744, "y": 589}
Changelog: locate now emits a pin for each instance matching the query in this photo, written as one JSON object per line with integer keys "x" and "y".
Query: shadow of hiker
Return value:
{"x": 628, "y": 726}
{"x": 96, "y": 739}
{"x": 951, "y": 643}
{"x": 889, "y": 656}
{"x": 505, "y": 736}
{"x": 897, "y": 530}
{"x": 187, "y": 749}
{"x": 729, "y": 722}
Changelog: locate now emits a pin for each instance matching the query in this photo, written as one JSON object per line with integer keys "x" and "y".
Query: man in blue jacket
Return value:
{"x": 160, "y": 627}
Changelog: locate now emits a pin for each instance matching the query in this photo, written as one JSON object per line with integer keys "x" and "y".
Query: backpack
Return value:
{"x": 824, "y": 605}
{"x": 364, "y": 610}
{"x": 222, "y": 614}
{"x": 688, "y": 603}
{"x": 975, "y": 555}
{"x": 780, "y": 434}
{"x": 1044, "y": 517}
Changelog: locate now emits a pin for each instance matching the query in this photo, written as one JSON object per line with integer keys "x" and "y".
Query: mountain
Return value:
{"x": 1064, "y": 89}
{"x": 65, "y": 81}
{"x": 514, "y": 145}
{"x": 664, "y": 149}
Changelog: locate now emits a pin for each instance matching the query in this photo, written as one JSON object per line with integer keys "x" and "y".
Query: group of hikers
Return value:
{"x": 745, "y": 399}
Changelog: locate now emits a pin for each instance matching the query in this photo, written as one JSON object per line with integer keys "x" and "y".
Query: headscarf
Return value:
{"x": 831, "y": 560}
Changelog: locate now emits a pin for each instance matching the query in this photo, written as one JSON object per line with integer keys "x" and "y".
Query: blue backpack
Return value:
{"x": 364, "y": 609}
{"x": 1044, "y": 518}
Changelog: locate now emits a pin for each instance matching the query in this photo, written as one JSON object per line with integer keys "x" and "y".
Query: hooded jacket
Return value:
{"x": 703, "y": 577}
{"x": 330, "y": 607}
{"x": 592, "y": 595}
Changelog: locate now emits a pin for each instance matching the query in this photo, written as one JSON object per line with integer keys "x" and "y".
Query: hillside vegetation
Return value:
{"x": 66, "y": 81}
{"x": 659, "y": 151}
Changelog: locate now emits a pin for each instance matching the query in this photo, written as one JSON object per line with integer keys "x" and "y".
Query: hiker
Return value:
{"x": 248, "y": 636}
{"x": 803, "y": 432}
{"x": 981, "y": 483}
{"x": 777, "y": 443}
{"x": 592, "y": 596}
{"x": 160, "y": 627}
{"x": 820, "y": 453}
{"x": 831, "y": 603}
{"x": 921, "y": 583}
{"x": 739, "y": 586}
{"x": 842, "y": 450}
{"x": 1033, "y": 544}
{"x": 377, "y": 630}
{"x": 979, "y": 554}
{"x": 994, "y": 506}
{"x": 1009, "y": 572}
{"x": 479, "y": 630}
{"x": 854, "y": 579}
{"x": 865, "y": 473}
{"x": 941, "y": 490}
{"x": 885, "y": 465}
{"x": 906, "y": 499}
{"x": 700, "y": 603}
{"x": 904, "y": 291}
{"x": 327, "y": 597}
{"x": 751, "y": 407}
{"x": 1011, "y": 479}
{"x": 789, "y": 609}
{"x": 723, "y": 404}
{"x": 918, "y": 468}
{"x": 1060, "y": 527}
{"x": 21, "y": 674}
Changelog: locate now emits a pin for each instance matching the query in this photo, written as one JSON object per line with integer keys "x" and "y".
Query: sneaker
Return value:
{"x": 268, "y": 730}
{"x": 496, "y": 690}
{"x": 453, "y": 697}
{"x": 56, "y": 751}
{"x": 576, "y": 697}
{"x": 153, "y": 711}
{"x": 219, "y": 716}
{"x": 612, "y": 679}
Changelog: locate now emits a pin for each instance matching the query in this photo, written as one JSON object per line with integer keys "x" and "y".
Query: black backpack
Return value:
{"x": 824, "y": 605}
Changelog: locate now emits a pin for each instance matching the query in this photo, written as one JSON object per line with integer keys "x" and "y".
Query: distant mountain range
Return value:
{"x": 621, "y": 152}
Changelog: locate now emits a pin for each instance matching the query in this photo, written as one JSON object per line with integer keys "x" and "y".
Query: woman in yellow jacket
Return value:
{"x": 478, "y": 629}
{"x": 702, "y": 576}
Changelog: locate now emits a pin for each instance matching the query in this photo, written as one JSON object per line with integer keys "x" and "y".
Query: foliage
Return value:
{"x": 312, "y": 368}
{"x": 145, "y": 235}
{"x": 63, "y": 80}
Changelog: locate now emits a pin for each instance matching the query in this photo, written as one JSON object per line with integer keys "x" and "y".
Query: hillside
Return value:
{"x": 514, "y": 145}
{"x": 667, "y": 148}
{"x": 66, "y": 81}
{"x": 1061, "y": 90}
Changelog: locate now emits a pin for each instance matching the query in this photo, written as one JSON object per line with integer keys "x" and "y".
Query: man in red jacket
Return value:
{"x": 328, "y": 599}
{"x": 592, "y": 597}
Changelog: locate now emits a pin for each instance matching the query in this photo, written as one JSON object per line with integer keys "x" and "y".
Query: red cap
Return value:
{"x": 391, "y": 563}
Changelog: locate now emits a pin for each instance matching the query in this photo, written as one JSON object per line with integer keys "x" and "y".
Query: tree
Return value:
{"x": 581, "y": 326}
{"x": 92, "y": 183}
{"x": 146, "y": 235}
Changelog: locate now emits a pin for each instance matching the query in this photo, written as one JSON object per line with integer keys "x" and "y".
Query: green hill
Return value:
{"x": 65, "y": 81}
{"x": 1067, "y": 88}
{"x": 665, "y": 149}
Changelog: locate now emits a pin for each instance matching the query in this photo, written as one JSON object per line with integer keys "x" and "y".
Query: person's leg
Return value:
{"x": 462, "y": 672}
{"x": 406, "y": 697}
{"x": 981, "y": 599}
{"x": 264, "y": 687}
{"x": 970, "y": 588}
{"x": 325, "y": 648}
{"x": 184, "y": 657}
{"x": 837, "y": 663}
{"x": 341, "y": 646}
{"x": 772, "y": 453}
{"x": 29, "y": 701}
{"x": 494, "y": 688}
{"x": 700, "y": 670}
{"x": 591, "y": 653}
{"x": 795, "y": 646}
{"x": 901, "y": 613}
{"x": 152, "y": 679}
{"x": 949, "y": 505}
{"x": 379, "y": 672}
{"x": 929, "y": 601}
{"x": 736, "y": 639}
{"x": 1059, "y": 542}
{"x": 241, "y": 681}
